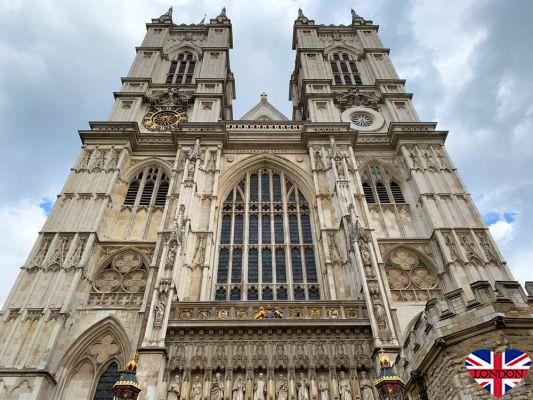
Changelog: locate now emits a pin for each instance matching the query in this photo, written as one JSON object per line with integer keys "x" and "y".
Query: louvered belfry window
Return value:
{"x": 181, "y": 69}
{"x": 148, "y": 188}
{"x": 378, "y": 186}
{"x": 344, "y": 70}
{"x": 265, "y": 249}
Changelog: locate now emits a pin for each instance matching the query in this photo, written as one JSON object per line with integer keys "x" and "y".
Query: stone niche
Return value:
{"x": 225, "y": 363}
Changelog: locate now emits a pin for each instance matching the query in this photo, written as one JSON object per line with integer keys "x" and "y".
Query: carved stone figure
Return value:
{"x": 379, "y": 311}
{"x": 159, "y": 312}
{"x": 355, "y": 97}
{"x": 340, "y": 169}
{"x": 174, "y": 389}
{"x": 319, "y": 162}
{"x": 323, "y": 389}
{"x": 282, "y": 388}
{"x": 238, "y": 389}
{"x": 366, "y": 387}
{"x": 303, "y": 387}
{"x": 334, "y": 251}
{"x": 260, "y": 388}
{"x": 345, "y": 390}
{"x": 196, "y": 389}
{"x": 217, "y": 387}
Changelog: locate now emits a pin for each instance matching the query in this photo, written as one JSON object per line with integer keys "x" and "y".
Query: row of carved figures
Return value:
{"x": 303, "y": 388}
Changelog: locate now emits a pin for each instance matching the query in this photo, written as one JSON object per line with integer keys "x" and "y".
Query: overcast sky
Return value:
{"x": 468, "y": 63}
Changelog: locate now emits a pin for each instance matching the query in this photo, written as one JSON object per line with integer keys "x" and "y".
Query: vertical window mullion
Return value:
{"x": 156, "y": 187}
{"x": 231, "y": 241}
{"x": 260, "y": 234}
{"x": 286, "y": 236}
{"x": 300, "y": 237}
{"x": 246, "y": 241}
{"x": 272, "y": 237}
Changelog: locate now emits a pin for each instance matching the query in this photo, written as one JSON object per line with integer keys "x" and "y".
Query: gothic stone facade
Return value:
{"x": 265, "y": 257}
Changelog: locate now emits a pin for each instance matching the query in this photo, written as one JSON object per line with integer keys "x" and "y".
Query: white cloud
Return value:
{"x": 520, "y": 265}
{"x": 19, "y": 227}
{"x": 502, "y": 231}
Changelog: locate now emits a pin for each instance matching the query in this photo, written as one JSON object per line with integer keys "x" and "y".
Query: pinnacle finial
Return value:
{"x": 166, "y": 17}
{"x": 264, "y": 96}
{"x": 223, "y": 12}
{"x": 356, "y": 18}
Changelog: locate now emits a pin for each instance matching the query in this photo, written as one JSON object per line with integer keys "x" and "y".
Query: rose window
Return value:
{"x": 410, "y": 279}
{"x": 121, "y": 282}
{"x": 362, "y": 119}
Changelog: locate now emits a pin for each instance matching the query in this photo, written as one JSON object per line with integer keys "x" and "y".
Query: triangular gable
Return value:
{"x": 264, "y": 111}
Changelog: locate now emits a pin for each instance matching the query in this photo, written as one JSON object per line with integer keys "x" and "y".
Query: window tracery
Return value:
{"x": 344, "y": 69}
{"x": 266, "y": 249}
{"x": 410, "y": 278}
{"x": 181, "y": 69}
{"x": 121, "y": 282}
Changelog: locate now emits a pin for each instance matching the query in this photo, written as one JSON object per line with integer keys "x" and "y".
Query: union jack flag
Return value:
{"x": 498, "y": 373}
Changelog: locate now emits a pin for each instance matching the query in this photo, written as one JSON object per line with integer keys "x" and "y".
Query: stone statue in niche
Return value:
{"x": 217, "y": 387}
{"x": 174, "y": 389}
{"x": 159, "y": 312}
{"x": 345, "y": 390}
{"x": 282, "y": 388}
{"x": 238, "y": 389}
{"x": 260, "y": 388}
{"x": 340, "y": 169}
{"x": 319, "y": 162}
{"x": 366, "y": 387}
{"x": 210, "y": 164}
{"x": 303, "y": 387}
{"x": 323, "y": 389}
{"x": 196, "y": 389}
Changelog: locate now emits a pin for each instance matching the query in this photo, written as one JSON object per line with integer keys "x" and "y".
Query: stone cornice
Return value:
{"x": 415, "y": 132}
{"x": 266, "y": 134}
{"x": 15, "y": 372}
{"x": 376, "y": 50}
{"x": 120, "y": 132}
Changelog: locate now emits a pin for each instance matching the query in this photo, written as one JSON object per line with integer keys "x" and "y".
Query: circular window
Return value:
{"x": 362, "y": 119}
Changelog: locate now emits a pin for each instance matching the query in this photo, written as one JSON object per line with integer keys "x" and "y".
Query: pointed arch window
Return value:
{"x": 266, "y": 249}
{"x": 344, "y": 70}
{"x": 181, "y": 69}
{"x": 104, "y": 388}
{"x": 148, "y": 188}
{"x": 379, "y": 187}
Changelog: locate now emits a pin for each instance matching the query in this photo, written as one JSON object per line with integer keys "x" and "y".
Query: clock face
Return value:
{"x": 163, "y": 118}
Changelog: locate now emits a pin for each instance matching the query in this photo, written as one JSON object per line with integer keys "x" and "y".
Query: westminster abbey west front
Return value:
{"x": 266, "y": 257}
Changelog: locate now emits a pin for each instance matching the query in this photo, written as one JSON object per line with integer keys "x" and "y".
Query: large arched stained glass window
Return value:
{"x": 266, "y": 249}
{"x": 104, "y": 389}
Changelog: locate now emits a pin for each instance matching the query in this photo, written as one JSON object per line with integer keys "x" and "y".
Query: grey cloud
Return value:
{"x": 61, "y": 60}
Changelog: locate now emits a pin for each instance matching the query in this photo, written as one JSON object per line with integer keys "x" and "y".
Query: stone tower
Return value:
{"x": 262, "y": 258}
